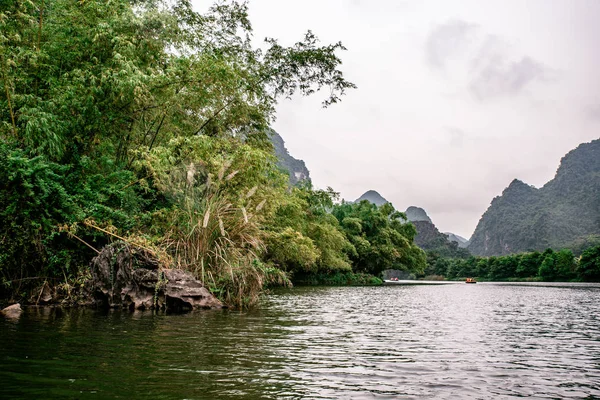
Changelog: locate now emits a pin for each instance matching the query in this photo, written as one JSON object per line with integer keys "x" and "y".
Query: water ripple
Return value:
{"x": 453, "y": 341}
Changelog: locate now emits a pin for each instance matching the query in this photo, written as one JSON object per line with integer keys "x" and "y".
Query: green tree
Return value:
{"x": 381, "y": 236}
{"x": 529, "y": 264}
{"x": 441, "y": 266}
{"x": 547, "y": 270}
{"x": 453, "y": 269}
{"x": 589, "y": 264}
{"x": 566, "y": 265}
{"x": 503, "y": 267}
{"x": 482, "y": 267}
{"x": 467, "y": 267}
{"x": 317, "y": 243}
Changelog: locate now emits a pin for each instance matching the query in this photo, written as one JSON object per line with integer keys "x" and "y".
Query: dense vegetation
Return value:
{"x": 145, "y": 121}
{"x": 549, "y": 265}
{"x": 564, "y": 213}
{"x": 381, "y": 236}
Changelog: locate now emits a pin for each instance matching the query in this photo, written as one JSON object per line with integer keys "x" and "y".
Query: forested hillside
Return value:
{"x": 564, "y": 213}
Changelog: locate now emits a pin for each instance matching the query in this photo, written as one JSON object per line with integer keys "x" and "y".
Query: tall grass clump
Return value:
{"x": 214, "y": 230}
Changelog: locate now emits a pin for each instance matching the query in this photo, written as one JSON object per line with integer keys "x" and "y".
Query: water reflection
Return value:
{"x": 449, "y": 341}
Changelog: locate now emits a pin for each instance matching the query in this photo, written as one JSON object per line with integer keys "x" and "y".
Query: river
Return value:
{"x": 483, "y": 341}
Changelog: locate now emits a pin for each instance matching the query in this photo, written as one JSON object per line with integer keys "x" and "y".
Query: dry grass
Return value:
{"x": 217, "y": 240}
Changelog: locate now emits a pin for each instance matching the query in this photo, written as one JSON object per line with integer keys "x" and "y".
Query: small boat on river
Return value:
{"x": 470, "y": 280}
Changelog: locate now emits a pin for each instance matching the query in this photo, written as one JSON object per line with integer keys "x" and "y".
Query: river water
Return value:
{"x": 484, "y": 341}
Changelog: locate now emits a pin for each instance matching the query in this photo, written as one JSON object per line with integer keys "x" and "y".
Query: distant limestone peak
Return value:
{"x": 372, "y": 196}
{"x": 453, "y": 237}
{"x": 517, "y": 183}
{"x": 417, "y": 214}
{"x": 579, "y": 162}
{"x": 563, "y": 213}
{"x": 295, "y": 168}
{"x": 518, "y": 186}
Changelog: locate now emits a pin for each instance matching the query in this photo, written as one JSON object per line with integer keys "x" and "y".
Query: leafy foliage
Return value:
{"x": 304, "y": 237}
{"x": 219, "y": 198}
{"x": 381, "y": 236}
{"x": 108, "y": 107}
{"x": 589, "y": 264}
{"x": 43, "y": 203}
{"x": 549, "y": 266}
{"x": 312, "y": 237}
{"x": 34, "y": 202}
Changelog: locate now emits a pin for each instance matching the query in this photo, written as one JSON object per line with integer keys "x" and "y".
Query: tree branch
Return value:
{"x": 212, "y": 117}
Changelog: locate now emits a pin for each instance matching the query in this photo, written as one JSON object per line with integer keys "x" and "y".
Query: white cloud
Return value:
{"x": 489, "y": 66}
{"x": 448, "y": 40}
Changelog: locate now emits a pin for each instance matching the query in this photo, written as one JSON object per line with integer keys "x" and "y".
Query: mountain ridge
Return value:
{"x": 563, "y": 212}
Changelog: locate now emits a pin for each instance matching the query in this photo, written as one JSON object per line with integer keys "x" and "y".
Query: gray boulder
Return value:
{"x": 12, "y": 312}
{"x": 127, "y": 277}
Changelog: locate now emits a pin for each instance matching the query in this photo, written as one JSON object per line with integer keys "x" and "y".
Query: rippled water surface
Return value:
{"x": 481, "y": 341}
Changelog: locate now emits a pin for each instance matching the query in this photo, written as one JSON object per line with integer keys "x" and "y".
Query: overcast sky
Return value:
{"x": 455, "y": 98}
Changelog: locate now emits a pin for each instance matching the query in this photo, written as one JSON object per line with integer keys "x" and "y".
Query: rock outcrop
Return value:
{"x": 295, "y": 168}
{"x": 131, "y": 278}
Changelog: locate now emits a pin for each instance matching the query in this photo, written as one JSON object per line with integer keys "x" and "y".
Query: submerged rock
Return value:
{"x": 128, "y": 277}
{"x": 12, "y": 312}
